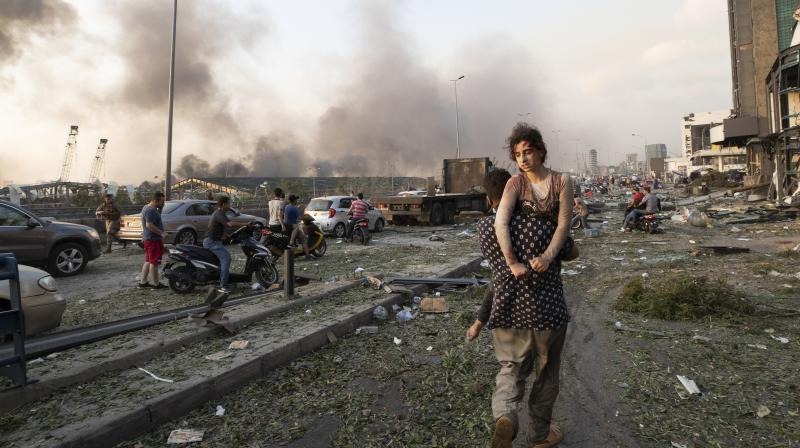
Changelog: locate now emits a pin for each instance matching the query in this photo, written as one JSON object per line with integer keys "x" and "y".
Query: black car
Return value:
{"x": 62, "y": 248}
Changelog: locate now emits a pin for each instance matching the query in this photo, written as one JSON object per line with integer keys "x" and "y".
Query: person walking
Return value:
{"x": 153, "y": 241}
{"x": 110, "y": 214}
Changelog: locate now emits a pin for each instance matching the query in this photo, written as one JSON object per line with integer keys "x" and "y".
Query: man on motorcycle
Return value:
{"x": 650, "y": 202}
{"x": 213, "y": 242}
{"x": 358, "y": 210}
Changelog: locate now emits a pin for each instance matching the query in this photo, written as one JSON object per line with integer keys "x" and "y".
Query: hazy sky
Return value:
{"x": 356, "y": 87}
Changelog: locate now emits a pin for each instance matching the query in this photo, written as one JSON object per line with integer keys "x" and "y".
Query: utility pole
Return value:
{"x": 168, "y": 176}
{"x": 458, "y": 131}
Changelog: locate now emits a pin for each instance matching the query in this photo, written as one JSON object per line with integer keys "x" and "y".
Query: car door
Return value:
{"x": 344, "y": 206}
{"x": 28, "y": 244}
{"x": 372, "y": 215}
{"x": 198, "y": 215}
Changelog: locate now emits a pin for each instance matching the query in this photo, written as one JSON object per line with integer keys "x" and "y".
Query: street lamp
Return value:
{"x": 314, "y": 170}
{"x": 645, "y": 150}
{"x": 168, "y": 177}
{"x": 458, "y": 130}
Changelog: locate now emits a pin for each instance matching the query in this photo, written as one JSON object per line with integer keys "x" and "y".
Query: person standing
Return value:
{"x": 529, "y": 315}
{"x": 216, "y": 230}
{"x": 153, "y": 241}
{"x": 110, "y": 214}
{"x": 291, "y": 220}
{"x": 580, "y": 213}
{"x": 276, "y": 206}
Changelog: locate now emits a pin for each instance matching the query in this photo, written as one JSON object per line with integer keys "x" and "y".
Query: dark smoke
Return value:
{"x": 22, "y": 18}
{"x": 192, "y": 166}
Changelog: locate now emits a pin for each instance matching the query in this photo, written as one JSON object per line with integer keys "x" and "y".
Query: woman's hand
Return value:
{"x": 540, "y": 264}
{"x": 518, "y": 269}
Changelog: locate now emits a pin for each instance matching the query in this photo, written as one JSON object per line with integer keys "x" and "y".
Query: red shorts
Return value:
{"x": 153, "y": 251}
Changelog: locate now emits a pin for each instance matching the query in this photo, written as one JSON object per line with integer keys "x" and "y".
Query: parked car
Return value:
{"x": 62, "y": 248}
{"x": 185, "y": 221}
{"x": 330, "y": 213}
{"x": 42, "y": 305}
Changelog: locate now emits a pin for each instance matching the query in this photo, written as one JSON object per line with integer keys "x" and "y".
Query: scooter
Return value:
{"x": 647, "y": 223}
{"x": 278, "y": 242}
{"x": 190, "y": 265}
{"x": 360, "y": 231}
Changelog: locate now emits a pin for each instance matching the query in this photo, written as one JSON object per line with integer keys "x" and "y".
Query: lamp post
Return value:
{"x": 458, "y": 130}
{"x": 645, "y": 150}
{"x": 314, "y": 170}
{"x": 577, "y": 163}
{"x": 168, "y": 177}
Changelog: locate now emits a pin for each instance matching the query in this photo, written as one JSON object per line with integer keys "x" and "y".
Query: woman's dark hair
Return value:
{"x": 523, "y": 132}
{"x": 223, "y": 200}
{"x": 495, "y": 183}
{"x": 278, "y": 193}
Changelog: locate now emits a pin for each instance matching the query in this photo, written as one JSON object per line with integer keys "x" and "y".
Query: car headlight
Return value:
{"x": 48, "y": 283}
{"x": 94, "y": 233}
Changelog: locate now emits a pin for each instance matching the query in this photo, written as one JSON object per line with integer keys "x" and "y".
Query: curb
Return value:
{"x": 110, "y": 430}
{"x": 14, "y": 398}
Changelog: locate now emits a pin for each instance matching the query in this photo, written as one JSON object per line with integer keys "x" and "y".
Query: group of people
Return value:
{"x": 640, "y": 204}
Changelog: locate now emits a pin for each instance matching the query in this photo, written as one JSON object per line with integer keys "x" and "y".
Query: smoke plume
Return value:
{"x": 20, "y": 19}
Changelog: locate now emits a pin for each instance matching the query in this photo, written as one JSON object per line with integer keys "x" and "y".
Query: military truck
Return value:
{"x": 463, "y": 191}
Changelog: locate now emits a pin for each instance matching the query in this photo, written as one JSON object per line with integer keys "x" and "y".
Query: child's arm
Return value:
{"x": 483, "y": 315}
{"x": 501, "y": 225}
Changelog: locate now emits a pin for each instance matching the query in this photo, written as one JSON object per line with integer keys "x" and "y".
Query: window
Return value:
{"x": 345, "y": 202}
{"x": 10, "y": 217}
{"x": 201, "y": 209}
{"x": 170, "y": 206}
{"x": 319, "y": 205}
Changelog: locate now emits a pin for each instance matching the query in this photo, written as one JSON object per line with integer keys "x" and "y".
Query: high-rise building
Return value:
{"x": 655, "y": 151}
{"x": 593, "y": 161}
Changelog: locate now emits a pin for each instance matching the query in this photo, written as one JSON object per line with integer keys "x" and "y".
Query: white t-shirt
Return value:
{"x": 275, "y": 209}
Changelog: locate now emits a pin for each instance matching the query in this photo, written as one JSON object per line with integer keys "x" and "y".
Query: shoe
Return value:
{"x": 145, "y": 285}
{"x": 160, "y": 286}
{"x": 310, "y": 257}
{"x": 554, "y": 438}
{"x": 504, "y": 431}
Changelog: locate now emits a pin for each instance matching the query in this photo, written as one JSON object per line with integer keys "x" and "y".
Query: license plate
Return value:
{"x": 134, "y": 224}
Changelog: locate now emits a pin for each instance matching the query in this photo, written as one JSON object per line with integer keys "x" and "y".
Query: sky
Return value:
{"x": 347, "y": 87}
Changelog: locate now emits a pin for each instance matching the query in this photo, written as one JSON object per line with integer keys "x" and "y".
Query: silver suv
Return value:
{"x": 61, "y": 247}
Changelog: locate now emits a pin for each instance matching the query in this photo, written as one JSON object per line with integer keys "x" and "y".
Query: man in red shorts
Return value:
{"x": 153, "y": 240}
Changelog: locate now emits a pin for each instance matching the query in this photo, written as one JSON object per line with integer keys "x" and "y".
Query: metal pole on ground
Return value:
{"x": 288, "y": 273}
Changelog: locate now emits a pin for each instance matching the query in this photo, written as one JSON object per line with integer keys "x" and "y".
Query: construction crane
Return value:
{"x": 69, "y": 153}
{"x": 99, "y": 158}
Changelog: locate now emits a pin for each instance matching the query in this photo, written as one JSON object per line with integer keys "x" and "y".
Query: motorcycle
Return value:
{"x": 190, "y": 265}
{"x": 360, "y": 231}
{"x": 278, "y": 242}
{"x": 647, "y": 223}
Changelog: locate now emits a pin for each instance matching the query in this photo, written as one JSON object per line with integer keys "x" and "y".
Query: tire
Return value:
{"x": 266, "y": 274}
{"x": 437, "y": 214}
{"x": 180, "y": 285}
{"x": 339, "y": 230}
{"x": 450, "y": 213}
{"x": 68, "y": 259}
{"x": 321, "y": 249}
{"x": 186, "y": 236}
{"x": 360, "y": 235}
{"x": 379, "y": 225}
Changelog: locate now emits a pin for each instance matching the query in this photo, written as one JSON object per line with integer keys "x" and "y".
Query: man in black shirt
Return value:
{"x": 213, "y": 242}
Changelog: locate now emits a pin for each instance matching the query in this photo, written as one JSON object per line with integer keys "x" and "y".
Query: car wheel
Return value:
{"x": 187, "y": 237}
{"x": 339, "y": 230}
{"x": 68, "y": 259}
{"x": 437, "y": 214}
{"x": 379, "y": 226}
{"x": 321, "y": 249}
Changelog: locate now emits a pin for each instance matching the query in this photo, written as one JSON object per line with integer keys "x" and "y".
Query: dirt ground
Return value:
{"x": 619, "y": 386}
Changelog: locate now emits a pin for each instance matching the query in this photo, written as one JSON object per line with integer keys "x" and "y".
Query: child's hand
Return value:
{"x": 518, "y": 269}
{"x": 474, "y": 330}
{"x": 540, "y": 264}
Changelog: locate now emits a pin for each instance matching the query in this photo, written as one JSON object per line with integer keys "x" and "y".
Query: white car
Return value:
{"x": 42, "y": 304}
{"x": 330, "y": 214}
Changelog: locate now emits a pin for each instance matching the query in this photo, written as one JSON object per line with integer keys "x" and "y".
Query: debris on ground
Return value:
{"x": 380, "y": 313}
{"x": 434, "y": 305}
{"x": 763, "y": 411}
{"x": 155, "y": 377}
{"x": 238, "y": 345}
{"x": 404, "y": 316}
{"x": 436, "y": 238}
{"x": 217, "y": 356}
{"x": 689, "y": 385}
{"x": 185, "y": 436}
{"x": 220, "y": 412}
{"x": 397, "y": 341}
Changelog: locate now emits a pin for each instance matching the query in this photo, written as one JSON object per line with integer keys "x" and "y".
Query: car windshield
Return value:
{"x": 170, "y": 206}
{"x": 319, "y": 205}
